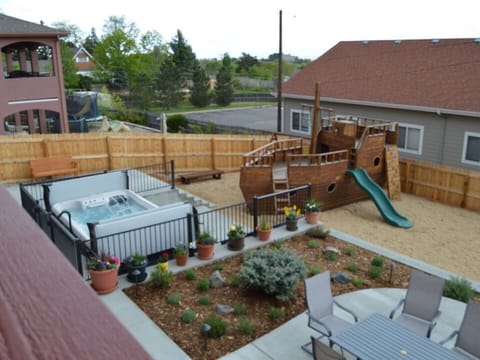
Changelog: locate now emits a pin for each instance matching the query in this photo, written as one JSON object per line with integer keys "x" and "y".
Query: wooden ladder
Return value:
{"x": 281, "y": 184}
{"x": 392, "y": 172}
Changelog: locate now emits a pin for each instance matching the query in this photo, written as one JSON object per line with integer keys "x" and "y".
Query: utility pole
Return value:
{"x": 279, "y": 85}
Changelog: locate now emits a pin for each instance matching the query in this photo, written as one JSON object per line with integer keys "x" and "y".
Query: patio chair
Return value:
{"x": 467, "y": 342}
{"x": 322, "y": 352}
{"x": 318, "y": 295}
{"x": 421, "y": 303}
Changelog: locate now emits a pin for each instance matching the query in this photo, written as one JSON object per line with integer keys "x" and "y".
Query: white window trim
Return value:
{"x": 309, "y": 121}
{"x": 464, "y": 150}
{"x": 420, "y": 145}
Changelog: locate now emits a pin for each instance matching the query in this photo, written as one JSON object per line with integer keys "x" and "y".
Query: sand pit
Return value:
{"x": 443, "y": 236}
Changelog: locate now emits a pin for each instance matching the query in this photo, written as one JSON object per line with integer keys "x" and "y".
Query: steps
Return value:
{"x": 392, "y": 172}
{"x": 281, "y": 184}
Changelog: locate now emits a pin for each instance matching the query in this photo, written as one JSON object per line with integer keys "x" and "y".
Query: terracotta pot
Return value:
{"x": 264, "y": 235}
{"x": 162, "y": 266}
{"x": 104, "y": 282}
{"x": 312, "y": 217}
{"x": 236, "y": 244}
{"x": 181, "y": 260}
{"x": 205, "y": 252}
{"x": 292, "y": 225}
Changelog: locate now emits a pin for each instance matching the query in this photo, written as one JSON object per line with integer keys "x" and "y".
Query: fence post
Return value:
{"x": 189, "y": 229}
{"x": 127, "y": 178}
{"x": 172, "y": 168}
{"x": 93, "y": 236}
{"x": 255, "y": 214}
{"x": 309, "y": 191}
{"x": 46, "y": 196}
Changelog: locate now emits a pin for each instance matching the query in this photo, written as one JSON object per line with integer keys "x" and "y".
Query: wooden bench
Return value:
{"x": 214, "y": 173}
{"x": 54, "y": 165}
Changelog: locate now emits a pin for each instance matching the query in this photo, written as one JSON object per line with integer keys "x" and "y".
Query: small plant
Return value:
{"x": 264, "y": 225}
{"x": 204, "y": 284}
{"x": 315, "y": 270}
{"x": 174, "y": 299}
{"x": 161, "y": 278}
{"x": 292, "y": 212}
{"x": 218, "y": 267}
{"x": 246, "y": 327}
{"x": 312, "y": 206}
{"x": 204, "y": 300}
{"x": 330, "y": 256}
{"x": 102, "y": 263}
{"x": 377, "y": 261}
{"x": 163, "y": 257}
{"x": 181, "y": 249}
{"x": 239, "y": 309}
{"x": 190, "y": 274}
{"x": 375, "y": 271}
{"x": 318, "y": 232}
{"x": 218, "y": 326}
{"x": 357, "y": 281}
{"x": 277, "y": 244}
{"x": 459, "y": 289}
{"x": 236, "y": 232}
{"x": 205, "y": 238}
{"x": 235, "y": 282}
{"x": 275, "y": 313}
{"x": 135, "y": 260}
{"x": 188, "y": 316}
{"x": 313, "y": 244}
{"x": 352, "y": 267}
{"x": 349, "y": 250}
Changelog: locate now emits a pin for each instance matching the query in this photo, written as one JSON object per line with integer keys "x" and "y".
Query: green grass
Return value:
{"x": 187, "y": 107}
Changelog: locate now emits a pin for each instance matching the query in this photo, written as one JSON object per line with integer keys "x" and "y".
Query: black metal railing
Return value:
{"x": 152, "y": 177}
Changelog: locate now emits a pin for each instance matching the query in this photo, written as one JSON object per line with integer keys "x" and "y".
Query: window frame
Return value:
{"x": 420, "y": 143}
{"x": 466, "y": 136}
{"x": 302, "y": 113}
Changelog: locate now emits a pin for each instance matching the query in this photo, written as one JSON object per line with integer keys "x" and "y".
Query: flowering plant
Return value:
{"x": 312, "y": 206}
{"x": 236, "y": 231}
{"x": 163, "y": 257}
{"x": 292, "y": 212}
{"x": 102, "y": 263}
{"x": 205, "y": 238}
{"x": 180, "y": 249}
{"x": 136, "y": 260}
{"x": 264, "y": 225}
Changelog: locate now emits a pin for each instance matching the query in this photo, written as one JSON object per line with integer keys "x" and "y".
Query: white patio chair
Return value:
{"x": 421, "y": 303}
{"x": 467, "y": 341}
{"x": 318, "y": 295}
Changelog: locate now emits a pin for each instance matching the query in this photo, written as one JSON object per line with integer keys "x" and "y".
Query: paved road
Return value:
{"x": 260, "y": 118}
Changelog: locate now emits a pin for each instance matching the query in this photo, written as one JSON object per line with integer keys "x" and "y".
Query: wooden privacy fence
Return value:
{"x": 97, "y": 152}
{"x": 447, "y": 185}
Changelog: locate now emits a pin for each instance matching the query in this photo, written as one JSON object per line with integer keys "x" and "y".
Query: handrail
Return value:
{"x": 264, "y": 154}
{"x": 317, "y": 159}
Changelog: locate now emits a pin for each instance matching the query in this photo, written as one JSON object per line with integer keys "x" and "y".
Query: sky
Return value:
{"x": 309, "y": 27}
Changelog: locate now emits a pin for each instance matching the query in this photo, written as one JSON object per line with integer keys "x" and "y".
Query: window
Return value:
{"x": 410, "y": 138}
{"x": 82, "y": 59}
{"x": 471, "y": 148}
{"x": 300, "y": 121}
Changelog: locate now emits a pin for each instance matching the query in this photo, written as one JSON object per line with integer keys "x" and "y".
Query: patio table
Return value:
{"x": 378, "y": 337}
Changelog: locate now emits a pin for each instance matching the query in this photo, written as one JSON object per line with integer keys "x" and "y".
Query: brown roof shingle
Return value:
{"x": 443, "y": 75}
{"x": 13, "y": 26}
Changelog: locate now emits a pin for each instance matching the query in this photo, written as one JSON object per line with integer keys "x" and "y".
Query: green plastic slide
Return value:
{"x": 380, "y": 198}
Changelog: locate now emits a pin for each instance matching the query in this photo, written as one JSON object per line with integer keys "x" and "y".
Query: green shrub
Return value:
{"x": 349, "y": 250}
{"x": 375, "y": 271}
{"x": 275, "y": 313}
{"x": 204, "y": 284}
{"x": 377, "y": 261}
{"x": 218, "y": 267}
{"x": 314, "y": 270}
{"x": 161, "y": 278}
{"x": 188, "y": 316}
{"x": 313, "y": 244}
{"x": 357, "y": 281}
{"x": 204, "y": 300}
{"x": 218, "y": 326}
{"x": 239, "y": 309}
{"x": 246, "y": 327}
{"x": 459, "y": 289}
{"x": 274, "y": 272}
{"x": 176, "y": 123}
{"x": 330, "y": 256}
{"x": 318, "y": 232}
{"x": 190, "y": 274}
{"x": 174, "y": 299}
{"x": 352, "y": 267}
{"x": 277, "y": 244}
{"x": 235, "y": 282}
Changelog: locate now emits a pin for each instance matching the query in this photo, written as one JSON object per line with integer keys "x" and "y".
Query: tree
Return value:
{"x": 224, "y": 85}
{"x": 168, "y": 84}
{"x": 69, "y": 68}
{"x": 74, "y": 37}
{"x": 199, "y": 95}
{"x": 182, "y": 56}
{"x": 245, "y": 63}
{"x": 91, "y": 41}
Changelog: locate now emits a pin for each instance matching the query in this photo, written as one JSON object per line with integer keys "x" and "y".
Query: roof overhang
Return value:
{"x": 436, "y": 110}
{"x": 34, "y": 35}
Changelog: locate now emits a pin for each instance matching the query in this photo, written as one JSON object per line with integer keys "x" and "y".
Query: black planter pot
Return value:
{"x": 292, "y": 225}
{"x": 136, "y": 274}
{"x": 236, "y": 244}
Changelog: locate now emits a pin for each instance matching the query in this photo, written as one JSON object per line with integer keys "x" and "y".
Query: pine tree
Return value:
{"x": 224, "y": 85}
{"x": 200, "y": 96}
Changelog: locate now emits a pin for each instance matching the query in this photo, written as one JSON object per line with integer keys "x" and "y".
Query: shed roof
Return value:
{"x": 440, "y": 74}
{"x": 12, "y": 26}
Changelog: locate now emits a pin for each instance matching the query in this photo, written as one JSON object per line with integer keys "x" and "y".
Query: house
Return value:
{"x": 32, "y": 96}
{"x": 430, "y": 87}
{"x": 84, "y": 61}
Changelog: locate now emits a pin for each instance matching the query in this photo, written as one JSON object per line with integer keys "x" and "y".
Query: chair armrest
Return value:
{"x": 396, "y": 308}
{"x": 433, "y": 323}
{"x": 345, "y": 309}
{"x": 317, "y": 320}
{"x": 449, "y": 337}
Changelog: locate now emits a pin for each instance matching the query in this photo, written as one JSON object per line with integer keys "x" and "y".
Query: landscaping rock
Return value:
{"x": 217, "y": 280}
{"x": 341, "y": 278}
{"x": 223, "y": 309}
{"x": 331, "y": 249}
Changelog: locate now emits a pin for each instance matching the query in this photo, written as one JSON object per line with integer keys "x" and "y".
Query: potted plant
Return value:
{"x": 312, "y": 211}
{"x": 104, "y": 273}
{"x": 292, "y": 214}
{"x": 264, "y": 230}
{"x": 236, "y": 237}
{"x": 163, "y": 261}
{"x": 205, "y": 245}
{"x": 136, "y": 265}
{"x": 181, "y": 254}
